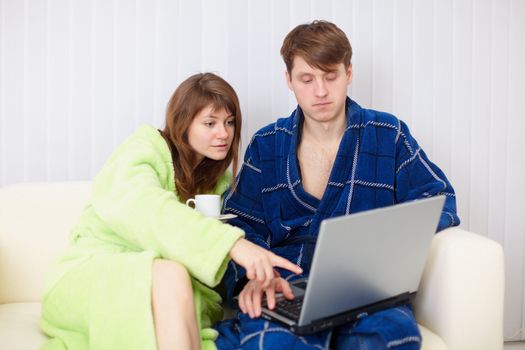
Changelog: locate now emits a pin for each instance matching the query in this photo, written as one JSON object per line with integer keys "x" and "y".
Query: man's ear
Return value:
{"x": 349, "y": 74}
{"x": 288, "y": 78}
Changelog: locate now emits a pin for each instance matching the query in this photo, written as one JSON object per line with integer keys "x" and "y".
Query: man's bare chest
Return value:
{"x": 316, "y": 166}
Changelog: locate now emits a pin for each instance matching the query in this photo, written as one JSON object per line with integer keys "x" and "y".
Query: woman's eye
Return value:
{"x": 209, "y": 124}
{"x": 230, "y": 122}
{"x": 331, "y": 77}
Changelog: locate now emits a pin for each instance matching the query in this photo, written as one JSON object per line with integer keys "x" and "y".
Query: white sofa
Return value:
{"x": 459, "y": 305}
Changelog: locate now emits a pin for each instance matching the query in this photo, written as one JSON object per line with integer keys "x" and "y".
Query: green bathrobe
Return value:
{"x": 98, "y": 294}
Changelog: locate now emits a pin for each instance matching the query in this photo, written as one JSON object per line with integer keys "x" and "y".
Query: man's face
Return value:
{"x": 321, "y": 95}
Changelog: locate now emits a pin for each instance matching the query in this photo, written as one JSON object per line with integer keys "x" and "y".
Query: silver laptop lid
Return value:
{"x": 370, "y": 256}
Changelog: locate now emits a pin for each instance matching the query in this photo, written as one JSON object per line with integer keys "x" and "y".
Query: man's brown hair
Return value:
{"x": 194, "y": 94}
{"x": 320, "y": 43}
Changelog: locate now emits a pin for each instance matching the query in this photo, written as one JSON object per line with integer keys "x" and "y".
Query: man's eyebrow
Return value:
{"x": 303, "y": 74}
{"x": 330, "y": 70}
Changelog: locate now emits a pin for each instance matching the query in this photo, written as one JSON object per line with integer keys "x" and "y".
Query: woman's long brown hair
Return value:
{"x": 192, "y": 95}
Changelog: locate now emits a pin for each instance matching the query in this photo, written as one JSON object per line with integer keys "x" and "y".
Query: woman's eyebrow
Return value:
{"x": 217, "y": 117}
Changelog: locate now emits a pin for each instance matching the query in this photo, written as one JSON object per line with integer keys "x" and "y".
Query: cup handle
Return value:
{"x": 191, "y": 200}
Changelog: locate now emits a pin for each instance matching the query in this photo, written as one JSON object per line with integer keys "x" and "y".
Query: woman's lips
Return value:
{"x": 220, "y": 147}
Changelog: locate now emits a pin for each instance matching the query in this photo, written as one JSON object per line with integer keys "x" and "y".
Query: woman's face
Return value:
{"x": 211, "y": 133}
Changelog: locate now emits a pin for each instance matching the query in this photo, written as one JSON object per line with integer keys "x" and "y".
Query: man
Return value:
{"x": 329, "y": 158}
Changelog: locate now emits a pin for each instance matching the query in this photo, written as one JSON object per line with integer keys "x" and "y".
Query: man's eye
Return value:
{"x": 307, "y": 81}
{"x": 331, "y": 77}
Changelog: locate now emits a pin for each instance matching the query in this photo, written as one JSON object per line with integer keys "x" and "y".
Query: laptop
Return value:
{"x": 362, "y": 263}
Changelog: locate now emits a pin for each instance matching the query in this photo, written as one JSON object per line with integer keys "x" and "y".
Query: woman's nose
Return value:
{"x": 222, "y": 133}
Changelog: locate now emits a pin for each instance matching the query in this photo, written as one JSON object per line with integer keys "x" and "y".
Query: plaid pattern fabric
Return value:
{"x": 393, "y": 328}
{"x": 378, "y": 164}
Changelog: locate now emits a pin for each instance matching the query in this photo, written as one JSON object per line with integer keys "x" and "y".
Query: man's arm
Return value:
{"x": 417, "y": 177}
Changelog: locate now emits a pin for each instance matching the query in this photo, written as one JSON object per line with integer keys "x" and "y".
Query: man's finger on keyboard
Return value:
{"x": 270, "y": 296}
{"x": 257, "y": 296}
{"x": 286, "y": 289}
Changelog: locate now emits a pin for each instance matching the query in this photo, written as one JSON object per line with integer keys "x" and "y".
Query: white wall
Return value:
{"x": 76, "y": 77}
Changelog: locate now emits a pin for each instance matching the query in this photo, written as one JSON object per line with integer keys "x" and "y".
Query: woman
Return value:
{"x": 137, "y": 272}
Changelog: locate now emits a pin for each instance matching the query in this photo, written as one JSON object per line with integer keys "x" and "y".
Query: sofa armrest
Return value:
{"x": 461, "y": 294}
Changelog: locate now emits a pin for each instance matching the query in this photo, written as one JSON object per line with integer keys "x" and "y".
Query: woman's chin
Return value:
{"x": 217, "y": 156}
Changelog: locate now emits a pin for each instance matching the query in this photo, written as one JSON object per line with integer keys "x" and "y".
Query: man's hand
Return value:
{"x": 259, "y": 262}
{"x": 251, "y": 296}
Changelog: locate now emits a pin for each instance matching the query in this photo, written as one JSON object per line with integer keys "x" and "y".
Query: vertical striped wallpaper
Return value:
{"x": 77, "y": 77}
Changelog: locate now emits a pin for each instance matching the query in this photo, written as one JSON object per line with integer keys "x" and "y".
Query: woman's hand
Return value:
{"x": 259, "y": 262}
{"x": 251, "y": 296}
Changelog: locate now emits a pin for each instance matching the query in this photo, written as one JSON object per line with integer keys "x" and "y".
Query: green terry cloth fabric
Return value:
{"x": 98, "y": 293}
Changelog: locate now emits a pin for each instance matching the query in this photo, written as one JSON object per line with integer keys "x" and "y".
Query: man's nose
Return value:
{"x": 320, "y": 88}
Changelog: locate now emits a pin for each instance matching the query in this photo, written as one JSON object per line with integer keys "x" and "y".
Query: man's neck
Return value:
{"x": 324, "y": 132}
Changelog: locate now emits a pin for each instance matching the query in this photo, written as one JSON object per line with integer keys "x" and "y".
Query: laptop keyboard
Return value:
{"x": 290, "y": 308}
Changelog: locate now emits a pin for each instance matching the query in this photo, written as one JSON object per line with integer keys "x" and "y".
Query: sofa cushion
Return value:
{"x": 431, "y": 341}
{"x": 19, "y": 329}
{"x": 35, "y": 222}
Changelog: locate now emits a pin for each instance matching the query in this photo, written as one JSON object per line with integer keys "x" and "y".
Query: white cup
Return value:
{"x": 207, "y": 204}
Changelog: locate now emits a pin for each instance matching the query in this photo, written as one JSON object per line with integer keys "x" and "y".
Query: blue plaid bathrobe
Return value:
{"x": 378, "y": 164}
